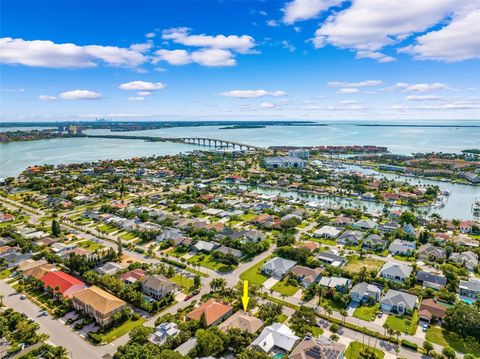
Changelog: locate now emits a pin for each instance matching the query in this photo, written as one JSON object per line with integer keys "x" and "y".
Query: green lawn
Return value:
{"x": 90, "y": 245}
{"x": 106, "y": 228}
{"x": 4, "y": 274}
{"x": 356, "y": 263}
{"x": 367, "y": 313}
{"x": 205, "y": 260}
{"x": 117, "y": 332}
{"x": 403, "y": 258}
{"x": 185, "y": 282}
{"x": 127, "y": 236}
{"x": 281, "y": 318}
{"x": 253, "y": 274}
{"x": 247, "y": 216}
{"x": 355, "y": 348}
{"x": 405, "y": 324}
{"x": 285, "y": 288}
{"x": 445, "y": 338}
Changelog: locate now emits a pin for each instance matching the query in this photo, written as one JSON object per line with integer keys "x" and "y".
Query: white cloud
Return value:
{"x": 142, "y": 86}
{"x": 375, "y": 55}
{"x": 80, "y": 95}
{"x": 423, "y": 98}
{"x": 287, "y": 45}
{"x": 47, "y": 98}
{"x": 355, "y": 84}
{"x": 44, "y": 53}
{"x": 306, "y": 9}
{"x": 347, "y": 90}
{"x": 136, "y": 98}
{"x": 150, "y": 35}
{"x": 144, "y": 93}
{"x": 174, "y": 57}
{"x": 267, "y": 105}
{"x": 252, "y": 93}
{"x": 241, "y": 44}
{"x": 272, "y": 23}
{"x": 213, "y": 57}
{"x": 427, "y": 87}
{"x": 368, "y": 26}
{"x": 458, "y": 41}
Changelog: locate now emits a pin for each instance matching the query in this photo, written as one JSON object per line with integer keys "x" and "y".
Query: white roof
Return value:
{"x": 276, "y": 335}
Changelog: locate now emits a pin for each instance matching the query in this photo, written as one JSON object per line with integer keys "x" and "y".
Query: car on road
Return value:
{"x": 187, "y": 298}
{"x": 43, "y": 313}
{"x": 23, "y": 297}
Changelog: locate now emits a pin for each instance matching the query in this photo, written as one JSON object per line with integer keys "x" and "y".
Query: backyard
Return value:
{"x": 405, "y": 324}
{"x": 445, "y": 338}
{"x": 253, "y": 274}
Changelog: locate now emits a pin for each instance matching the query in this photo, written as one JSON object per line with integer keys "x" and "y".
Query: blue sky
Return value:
{"x": 188, "y": 60}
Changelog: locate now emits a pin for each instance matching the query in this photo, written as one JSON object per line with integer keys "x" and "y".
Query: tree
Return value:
{"x": 344, "y": 314}
{"x": 218, "y": 284}
{"x": 334, "y": 328}
{"x": 210, "y": 342}
{"x": 449, "y": 353}
{"x": 56, "y": 231}
{"x": 119, "y": 247}
{"x": 140, "y": 334}
{"x": 427, "y": 346}
{"x": 463, "y": 319}
{"x": 196, "y": 281}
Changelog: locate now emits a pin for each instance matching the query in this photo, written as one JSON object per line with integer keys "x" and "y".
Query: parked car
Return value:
{"x": 425, "y": 327}
{"x": 43, "y": 313}
{"x": 23, "y": 297}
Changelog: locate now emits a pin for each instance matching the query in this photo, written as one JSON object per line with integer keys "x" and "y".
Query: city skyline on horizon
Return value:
{"x": 285, "y": 60}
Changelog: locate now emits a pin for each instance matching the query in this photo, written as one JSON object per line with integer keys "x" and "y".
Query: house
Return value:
{"x": 365, "y": 224}
{"x": 467, "y": 226}
{"x": 62, "y": 283}
{"x": 398, "y": 302}
{"x": 430, "y": 309}
{"x": 395, "y": 271}
{"x": 331, "y": 258}
{"x": 203, "y": 246}
{"x": 212, "y": 311}
{"x": 284, "y": 162}
{"x": 338, "y": 283}
{"x": 169, "y": 234}
{"x": 242, "y": 321}
{"x": 364, "y": 292}
{"x": 327, "y": 232}
{"x": 342, "y": 221}
{"x": 410, "y": 230}
{"x": 350, "y": 237}
{"x": 318, "y": 348}
{"x": 183, "y": 241}
{"x": 276, "y": 337}
{"x": 431, "y": 280}
{"x": 374, "y": 242}
{"x": 429, "y": 252}
{"x": 277, "y": 267}
{"x": 163, "y": 332}
{"x": 110, "y": 268}
{"x": 98, "y": 303}
{"x": 187, "y": 347}
{"x": 467, "y": 259}
{"x": 132, "y": 276}
{"x": 157, "y": 286}
{"x": 470, "y": 289}
{"x": 388, "y": 227}
{"x": 232, "y": 251}
{"x": 36, "y": 270}
{"x": 307, "y": 276}
{"x": 60, "y": 248}
{"x": 405, "y": 248}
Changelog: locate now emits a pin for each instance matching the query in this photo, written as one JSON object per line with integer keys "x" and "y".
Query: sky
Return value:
{"x": 240, "y": 60}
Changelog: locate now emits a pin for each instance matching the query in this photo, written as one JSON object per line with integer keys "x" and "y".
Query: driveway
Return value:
{"x": 351, "y": 307}
{"x": 270, "y": 282}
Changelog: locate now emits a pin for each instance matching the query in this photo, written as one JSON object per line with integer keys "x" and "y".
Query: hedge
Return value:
{"x": 410, "y": 345}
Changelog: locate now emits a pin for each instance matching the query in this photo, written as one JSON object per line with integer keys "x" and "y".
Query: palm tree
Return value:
{"x": 386, "y": 328}
{"x": 1, "y": 300}
{"x": 321, "y": 292}
{"x": 328, "y": 310}
{"x": 343, "y": 313}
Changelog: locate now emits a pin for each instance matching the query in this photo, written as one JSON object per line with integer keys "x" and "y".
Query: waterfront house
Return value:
{"x": 395, "y": 271}
{"x": 388, "y": 227}
{"x": 331, "y": 258}
{"x": 468, "y": 259}
{"x": 398, "y": 302}
{"x": 277, "y": 267}
{"x": 342, "y": 221}
{"x": 157, "y": 286}
{"x": 164, "y": 331}
{"x": 431, "y": 280}
{"x": 62, "y": 284}
{"x": 284, "y": 162}
{"x": 327, "y": 232}
{"x": 410, "y": 230}
{"x": 429, "y": 252}
{"x": 306, "y": 276}
{"x": 98, "y": 303}
{"x": 318, "y": 348}
{"x": 276, "y": 338}
{"x": 430, "y": 310}
{"x": 365, "y": 224}
{"x": 469, "y": 290}
{"x": 212, "y": 311}
{"x": 402, "y": 247}
{"x": 364, "y": 292}
{"x": 242, "y": 321}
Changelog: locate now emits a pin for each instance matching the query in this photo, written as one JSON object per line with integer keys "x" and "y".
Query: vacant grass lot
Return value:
{"x": 123, "y": 329}
{"x": 253, "y": 274}
{"x": 445, "y": 338}
{"x": 90, "y": 245}
{"x": 205, "y": 260}
{"x": 247, "y": 216}
{"x": 355, "y": 348}
{"x": 127, "y": 236}
{"x": 185, "y": 282}
{"x": 356, "y": 263}
{"x": 106, "y": 228}
{"x": 285, "y": 288}
{"x": 367, "y": 313}
{"x": 4, "y": 274}
{"x": 405, "y": 324}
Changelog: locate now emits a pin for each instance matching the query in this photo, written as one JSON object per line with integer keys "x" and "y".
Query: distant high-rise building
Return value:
{"x": 303, "y": 154}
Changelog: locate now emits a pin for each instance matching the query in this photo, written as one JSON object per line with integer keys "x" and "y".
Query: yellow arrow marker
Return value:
{"x": 245, "y": 297}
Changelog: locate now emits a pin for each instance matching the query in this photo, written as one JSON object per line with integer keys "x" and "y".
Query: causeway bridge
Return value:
{"x": 213, "y": 142}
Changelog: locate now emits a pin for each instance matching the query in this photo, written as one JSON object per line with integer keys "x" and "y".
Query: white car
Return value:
{"x": 425, "y": 327}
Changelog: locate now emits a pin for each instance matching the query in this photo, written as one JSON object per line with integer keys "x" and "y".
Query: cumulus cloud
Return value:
{"x": 252, "y": 93}
{"x": 272, "y": 23}
{"x": 347, "y": 90}
{"x": 267, "y": 105}
{"x": 47, "y": 98}
{"x": 142, "y": 86}
{"x": 181, "y": 35}
{"x": 355, "y": 84}
{"x": 173, "y": 57}
{"x": 80, "y": 95}
{"x": 213, "y": 57}
{"x": 427, "y": 87}
{"x": 423, "y": 98}
{"x": 367, "y": 26}
{"x": 44, "y": 53}
{"x": 306, "y": 9}
{"x": 458, "y": 41}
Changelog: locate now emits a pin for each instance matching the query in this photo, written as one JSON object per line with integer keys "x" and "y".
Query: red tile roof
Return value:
{"x": 212, "y": 310}
{"x": 62, "y": 280}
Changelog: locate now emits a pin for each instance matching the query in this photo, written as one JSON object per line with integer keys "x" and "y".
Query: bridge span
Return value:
{"x": 214, "y": 142}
